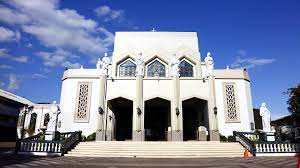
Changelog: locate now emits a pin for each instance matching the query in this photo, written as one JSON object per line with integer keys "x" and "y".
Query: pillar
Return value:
{"x": 212, "y": 111}
{"x": 176, "y": 112}
{"x": 110, "y": 125}
{"x": 100, "y": 132}
{"x": 138, "y": 132}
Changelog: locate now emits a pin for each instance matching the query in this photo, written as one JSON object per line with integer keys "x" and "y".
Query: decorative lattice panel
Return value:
{"x": 230, "y": 100}
{"x": 82, "y": 109}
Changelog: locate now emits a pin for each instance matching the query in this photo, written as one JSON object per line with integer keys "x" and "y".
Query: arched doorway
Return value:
{"x": 121, "y": 118}
{"x": 157, "y": 119}
{"x": 194, "y": 115}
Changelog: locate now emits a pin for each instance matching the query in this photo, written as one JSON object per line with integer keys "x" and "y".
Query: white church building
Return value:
{"x": 156, "y": 86}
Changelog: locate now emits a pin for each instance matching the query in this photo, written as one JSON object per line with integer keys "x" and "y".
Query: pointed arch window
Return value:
{"x": 156, "y": 69}
{"x": 127, "y": 68}
{"x": 186, "y": 69}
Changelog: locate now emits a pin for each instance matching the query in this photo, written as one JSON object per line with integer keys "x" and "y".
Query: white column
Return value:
{"x": 138, "y": 133}
{"x": 212, "y": 114}
{"x": 100, "y": 132}
{"x": 176, "y": 112}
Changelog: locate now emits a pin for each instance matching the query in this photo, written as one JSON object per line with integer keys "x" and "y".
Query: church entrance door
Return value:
{"x": 194, "y": 115}
{"x": 121, "y": 118}
{"x": 157, "y": 119}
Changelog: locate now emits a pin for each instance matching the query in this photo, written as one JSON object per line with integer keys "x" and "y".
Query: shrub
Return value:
{"x": 223, "y": 138}
{"x": 91, "y": 137}
{"x": 231, "y": 138}
{"x": 30, "y": 130}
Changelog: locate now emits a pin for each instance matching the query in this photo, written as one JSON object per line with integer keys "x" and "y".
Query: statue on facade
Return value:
{"x": 265, "y": 117}
{"x": 99, "y": 64}
{"x": 209, "y": 61}
{"x": 103, "y": 65}
{"x": 139, "y": 65}
{"x": 175, "y": 65}
{"x": 53, "y": 114}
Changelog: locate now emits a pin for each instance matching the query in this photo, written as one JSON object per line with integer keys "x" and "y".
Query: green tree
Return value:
{"x": 294, "y": 102}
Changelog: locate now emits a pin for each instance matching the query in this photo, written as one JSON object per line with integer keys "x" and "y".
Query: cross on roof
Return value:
{"x": 153, "y": 30}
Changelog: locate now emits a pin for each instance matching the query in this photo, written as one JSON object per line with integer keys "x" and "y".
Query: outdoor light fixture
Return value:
{"x": 110, "y": 117}
{"x": 59, "y": 124}
{"x": 177, "y": 111}
{"x": 215, "y": 110}
{"x": 252, "y": 125}
{"x": 100, "y": 110}
{"x": 139, "y": 111}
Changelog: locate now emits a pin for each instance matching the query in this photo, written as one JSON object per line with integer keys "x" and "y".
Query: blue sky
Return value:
{"x": 39, "y": 39}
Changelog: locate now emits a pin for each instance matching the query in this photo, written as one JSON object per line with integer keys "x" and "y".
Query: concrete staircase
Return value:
{"x": 159, "y": 149}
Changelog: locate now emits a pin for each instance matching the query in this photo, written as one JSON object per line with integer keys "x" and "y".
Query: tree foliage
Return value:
{"x": 294, "y": 101}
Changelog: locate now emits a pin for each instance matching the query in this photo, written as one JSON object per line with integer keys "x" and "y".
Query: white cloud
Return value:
{"x": 244, "y": 62}
{"x": 13, "y": 82}
{"x": 38, "y": 76}
{"x": 108, "y": 14}
{"x": 12, "y": 17}
{"x": 7, "y": 35}
{"x": 2, "y": 84}
{"x": 3, "y": 66}
{"x": 22, "y": 59}
{"x": 4, "y": 54}
{"x": 55, "y": 27}
{"x": 29, "y": 45}
{"x": 58, "y": 58}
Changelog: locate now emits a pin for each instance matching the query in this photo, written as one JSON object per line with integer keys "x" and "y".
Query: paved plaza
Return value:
{"x": 7, "y": 161}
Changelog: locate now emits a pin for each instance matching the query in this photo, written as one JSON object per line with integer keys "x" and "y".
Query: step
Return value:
{"x": 187, "y": 149}
{"x": 156, "y": 156}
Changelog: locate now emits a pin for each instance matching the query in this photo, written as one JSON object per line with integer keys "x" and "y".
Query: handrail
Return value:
{"x": 64, "y": 142}
{"x": 245, "y": 142}
{"x": 70, "y": 142}
{"x": 260, "y": 144}
{"x": 35, "y": 137}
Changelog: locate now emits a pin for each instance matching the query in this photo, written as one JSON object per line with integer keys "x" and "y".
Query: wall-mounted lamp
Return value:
{"x": 139, "y": 111}
{"x": 100, "y": 110}
{"x": 215, "y": 110}
{"x": 177, "y": 111}
{"x": 59, "y": 124}
{"x": 110, "y": 117}
{"x": 252, "y": 126}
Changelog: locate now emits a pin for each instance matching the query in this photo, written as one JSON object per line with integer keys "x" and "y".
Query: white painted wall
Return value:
{"x": 68, "y": 103}
{"x": 245, "y": 107}
{"x": 40, "y": 110}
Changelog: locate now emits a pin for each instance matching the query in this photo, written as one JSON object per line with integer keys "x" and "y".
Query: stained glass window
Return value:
{"x": 127, "y": 69}
{"x": 185, "y": 69}
{"x": 156, "y": 69}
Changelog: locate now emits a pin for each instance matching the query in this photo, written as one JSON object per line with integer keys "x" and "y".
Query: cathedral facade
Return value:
{"x": 156, "y": 86}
